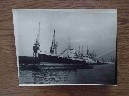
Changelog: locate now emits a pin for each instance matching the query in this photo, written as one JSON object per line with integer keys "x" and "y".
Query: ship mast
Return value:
{"x": 82, "y": 50}
{"x": 69, "y": 47}
{"x": 79, "y": 52}
{"x": 37, "y": 39}
{"x": 87, "y": 51}
{"x": 53, "y": 48}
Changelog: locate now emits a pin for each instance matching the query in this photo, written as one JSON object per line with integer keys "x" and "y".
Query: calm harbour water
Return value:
{"x": 100, "y": 74}
{"x": 47, "y": 76}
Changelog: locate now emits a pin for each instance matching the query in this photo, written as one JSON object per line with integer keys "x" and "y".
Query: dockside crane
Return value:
{"x": 36, "y": 44}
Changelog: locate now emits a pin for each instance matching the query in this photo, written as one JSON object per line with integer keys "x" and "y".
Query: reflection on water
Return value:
{"x": 47, "y": 76}
{"x": 100, "y": 74}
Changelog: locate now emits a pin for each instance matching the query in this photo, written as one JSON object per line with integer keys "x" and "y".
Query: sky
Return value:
{"x": 95, "y": 28}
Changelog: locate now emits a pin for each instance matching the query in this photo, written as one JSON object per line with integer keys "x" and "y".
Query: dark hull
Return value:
{"x": 28, "y": 60}
{"x": 55, "y": 60}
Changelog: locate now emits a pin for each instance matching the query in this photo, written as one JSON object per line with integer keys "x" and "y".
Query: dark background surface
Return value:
{"x": 9, "y": 85}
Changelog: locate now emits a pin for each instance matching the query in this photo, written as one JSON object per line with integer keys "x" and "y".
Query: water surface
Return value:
{"x": 100, "y": 74}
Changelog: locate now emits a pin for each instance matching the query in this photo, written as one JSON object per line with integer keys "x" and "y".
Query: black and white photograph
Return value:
{"x": 66, "y": 46}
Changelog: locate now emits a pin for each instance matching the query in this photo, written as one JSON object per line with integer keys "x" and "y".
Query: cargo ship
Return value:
{"x": 72, "y": 57}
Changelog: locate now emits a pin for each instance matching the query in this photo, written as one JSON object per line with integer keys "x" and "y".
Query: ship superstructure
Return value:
{"x": 71, "y": 55}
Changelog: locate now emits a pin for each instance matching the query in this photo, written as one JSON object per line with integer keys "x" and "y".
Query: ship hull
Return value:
{"x": 50, "y": 59}
{"x": 56, "y": 59}
{"x": 53, "y": 61}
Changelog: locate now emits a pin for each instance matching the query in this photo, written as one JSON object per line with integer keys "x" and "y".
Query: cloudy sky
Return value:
{"x": 96, "y": 29}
